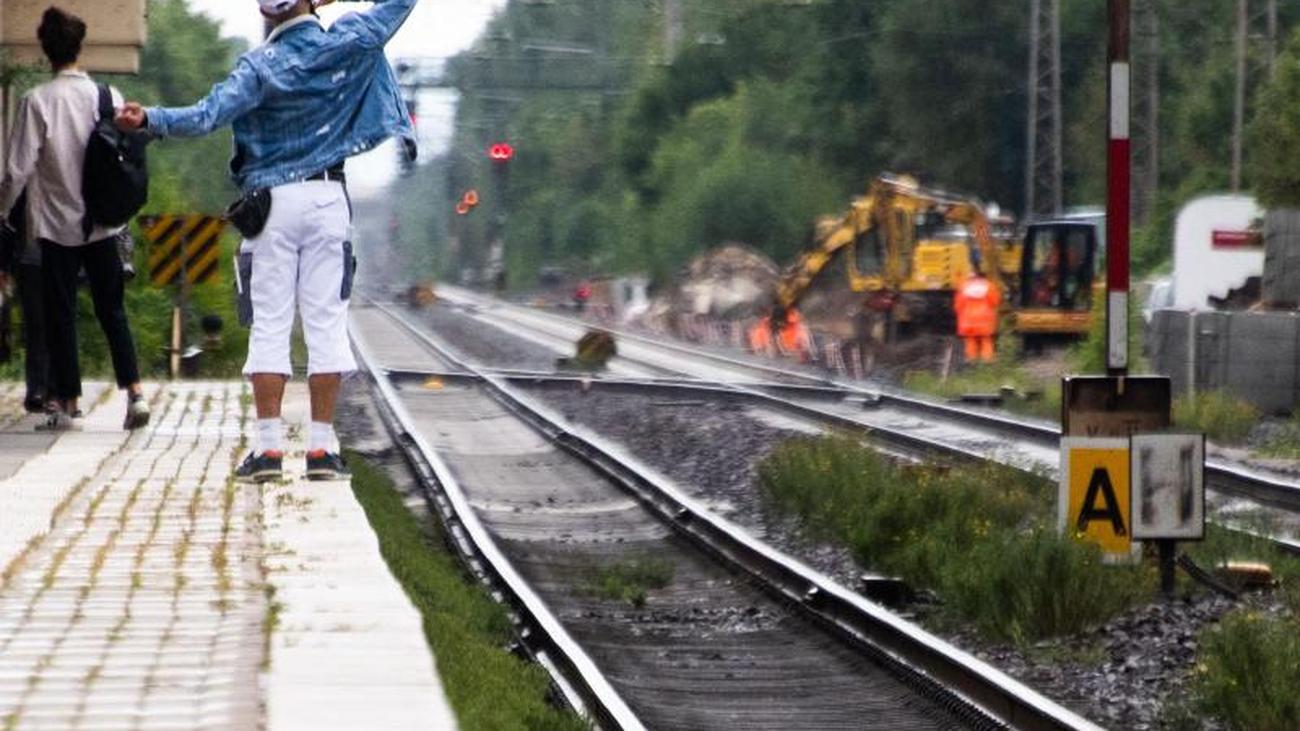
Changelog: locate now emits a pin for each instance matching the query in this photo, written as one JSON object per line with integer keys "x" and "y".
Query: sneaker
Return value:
{"x": 137, "y": 413}
{"x": 261, "y": 467}
{"x": 323, "y": 465}
{"x": 58, "y": 420}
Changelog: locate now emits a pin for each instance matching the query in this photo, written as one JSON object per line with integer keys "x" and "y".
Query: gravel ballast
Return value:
{"x": 482, "y": 343}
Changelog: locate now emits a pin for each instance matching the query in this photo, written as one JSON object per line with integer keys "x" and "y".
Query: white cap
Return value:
{"x": 275, "y": 7}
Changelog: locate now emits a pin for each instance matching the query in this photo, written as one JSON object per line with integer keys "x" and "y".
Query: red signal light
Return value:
{"x": 501, "y": 152}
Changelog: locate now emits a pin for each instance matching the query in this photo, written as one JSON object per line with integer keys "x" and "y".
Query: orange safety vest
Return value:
{"x": 976, "y": 303}
{"x": 794, "y": 335}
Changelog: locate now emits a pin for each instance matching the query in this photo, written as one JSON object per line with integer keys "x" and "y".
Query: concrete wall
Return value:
{"x": 1281, "y": 281}
{"x": 116, "y": 30}
{"x": 1253, "y": 355}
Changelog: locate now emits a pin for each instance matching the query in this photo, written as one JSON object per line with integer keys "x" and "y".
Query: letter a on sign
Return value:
{"x": 1094, "y": 493}
{"x": 1099, "y": 488}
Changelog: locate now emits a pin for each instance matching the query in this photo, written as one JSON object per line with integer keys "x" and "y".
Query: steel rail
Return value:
{"x": 576, "y": 675}
{"x": 598, "y": 379}
{"x": 935, "y": 666}
{"x": 1224, "y": 477}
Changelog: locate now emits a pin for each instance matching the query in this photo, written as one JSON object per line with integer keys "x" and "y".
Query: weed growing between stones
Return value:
{"x": 61, "y": 555}
{"x": 270, "y": 622}
{"x": 630, "y": 580}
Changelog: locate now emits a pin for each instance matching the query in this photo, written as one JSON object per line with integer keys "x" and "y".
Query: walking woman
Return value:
{"x": 46, "y": 155}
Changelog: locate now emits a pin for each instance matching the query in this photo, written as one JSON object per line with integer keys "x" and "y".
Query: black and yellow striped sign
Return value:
{"x": 189, "y": 243}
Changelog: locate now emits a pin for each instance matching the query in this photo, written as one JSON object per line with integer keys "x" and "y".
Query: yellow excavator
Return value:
{"x": 909, "y": 248}
{"x": 1062, "y": 273}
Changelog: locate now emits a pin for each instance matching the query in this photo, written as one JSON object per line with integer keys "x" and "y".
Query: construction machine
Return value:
{"x": 1061, "y": 272}
{"x": 418, "y": 295}
{"x": 908, "y": 248}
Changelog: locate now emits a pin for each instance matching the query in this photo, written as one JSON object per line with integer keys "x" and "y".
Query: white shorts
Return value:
{"x": 303, "y": 256}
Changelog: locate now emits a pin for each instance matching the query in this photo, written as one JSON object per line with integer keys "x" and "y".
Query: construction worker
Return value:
{"x": 976, "y": 304}
{"x": 794, "y": 338}
{"x": 581, "y": 296}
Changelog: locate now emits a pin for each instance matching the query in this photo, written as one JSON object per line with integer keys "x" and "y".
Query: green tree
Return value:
{"x": 1275, "y": 135}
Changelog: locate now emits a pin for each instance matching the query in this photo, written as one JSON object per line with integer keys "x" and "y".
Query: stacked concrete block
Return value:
{"x": 1167, "y": 347}
{"x": 1214, "y": 353}
{"x": 1281, "y": 280}
{"x": 1253, "y": 355}
{"x": 1262, "y": 367}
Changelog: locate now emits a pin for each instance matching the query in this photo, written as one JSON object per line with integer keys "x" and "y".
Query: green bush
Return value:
{"x": 1222, "y": 416}
{"x": 1025, "y": 585}
{"x": 1249, "y": 672}
{"x": 977, "y": 535}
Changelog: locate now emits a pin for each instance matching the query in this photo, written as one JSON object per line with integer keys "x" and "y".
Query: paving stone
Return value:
{"x": 118, "y": 618}
{"x": 98, "y": 621}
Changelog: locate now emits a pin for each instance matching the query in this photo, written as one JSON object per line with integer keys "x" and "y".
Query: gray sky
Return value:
{"x": 435, "y": 28}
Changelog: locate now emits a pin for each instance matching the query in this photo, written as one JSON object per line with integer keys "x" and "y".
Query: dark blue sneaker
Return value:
{"x": 323, "y": 465}
{"x": 262, "y": 467}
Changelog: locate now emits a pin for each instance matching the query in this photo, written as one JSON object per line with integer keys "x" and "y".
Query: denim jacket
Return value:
{"x": 305, "y": 100}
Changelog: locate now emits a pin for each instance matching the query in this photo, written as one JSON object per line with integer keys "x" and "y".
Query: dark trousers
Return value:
{"x": 31, "y": 293}
{"x": 107, "y": 289}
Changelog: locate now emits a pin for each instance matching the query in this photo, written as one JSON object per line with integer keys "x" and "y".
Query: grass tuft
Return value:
{"x": 631, "y": 579}
{"x": 488, "y": 687}
{"x": 981, "y": 536}
{"x": 1249, "y": 672}
{"x": 992, "y": 378}
{"x": 1223, "y": 417}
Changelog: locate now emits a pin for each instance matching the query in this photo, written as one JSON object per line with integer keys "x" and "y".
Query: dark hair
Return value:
{"x": 61, "y": 34}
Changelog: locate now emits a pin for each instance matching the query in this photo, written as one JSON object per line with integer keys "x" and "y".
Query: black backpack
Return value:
{"x": 115, "y": 183}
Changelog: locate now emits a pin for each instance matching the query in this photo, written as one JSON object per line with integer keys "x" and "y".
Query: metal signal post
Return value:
{"x": 1118, "y": 190}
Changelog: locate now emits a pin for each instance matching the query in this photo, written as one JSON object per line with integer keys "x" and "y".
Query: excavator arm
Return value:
{"x": 973, "y": 218}
{"x": 831, "y": 240}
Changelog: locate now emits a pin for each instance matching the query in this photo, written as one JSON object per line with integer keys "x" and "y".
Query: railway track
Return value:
{"x": 903, "y": 422}
{"x": 741, "y": 636}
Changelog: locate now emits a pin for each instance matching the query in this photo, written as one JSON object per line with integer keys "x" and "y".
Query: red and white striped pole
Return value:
{"x": 1117, "y": 191}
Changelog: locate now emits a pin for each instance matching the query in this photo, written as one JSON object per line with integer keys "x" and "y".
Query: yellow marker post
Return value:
{"x": 184, "y": 250}
{"x": 1094, "y": 503}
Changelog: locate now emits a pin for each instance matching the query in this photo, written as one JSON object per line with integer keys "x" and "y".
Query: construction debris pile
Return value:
{"x": 733, "y": 282}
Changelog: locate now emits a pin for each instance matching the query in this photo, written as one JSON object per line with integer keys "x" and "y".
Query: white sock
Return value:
{"x": 268, "y": 436}
{"x": 321, "y": 437}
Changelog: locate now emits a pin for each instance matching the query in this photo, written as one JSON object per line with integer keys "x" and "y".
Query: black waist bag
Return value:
{"x": 249, "y": 214}
{"x": 115, "y": 182}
